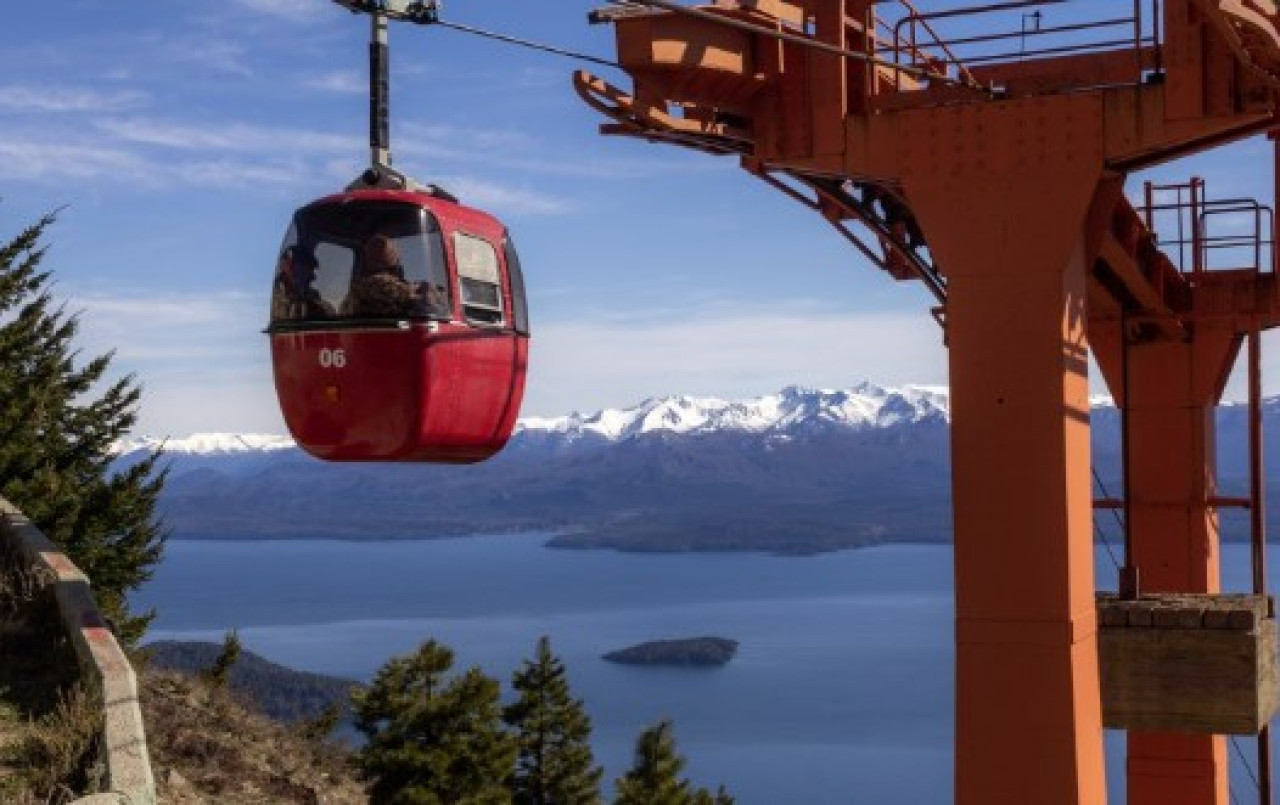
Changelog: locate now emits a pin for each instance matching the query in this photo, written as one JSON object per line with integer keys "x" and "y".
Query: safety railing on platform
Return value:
{"x": 956, "y": 42}
{"x": 1199, "y": 234}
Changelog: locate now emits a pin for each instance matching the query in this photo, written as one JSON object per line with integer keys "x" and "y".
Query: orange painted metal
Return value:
{"x": 1173, "y": 523}
{"x": 999, "y": 182}
{"x": 1028, "y": 716}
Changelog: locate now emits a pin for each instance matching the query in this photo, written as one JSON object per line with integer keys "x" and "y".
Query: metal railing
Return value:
{"x": 983, "y": 35}
{"x": 1199, "y": 234}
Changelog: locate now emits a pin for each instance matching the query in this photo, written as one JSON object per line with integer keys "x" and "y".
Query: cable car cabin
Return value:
{"x": 399, "y": 329}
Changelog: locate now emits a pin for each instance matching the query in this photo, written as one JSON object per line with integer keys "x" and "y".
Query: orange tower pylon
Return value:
{"x": 989, "y": 163}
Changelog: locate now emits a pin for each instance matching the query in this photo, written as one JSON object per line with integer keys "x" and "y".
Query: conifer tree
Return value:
{"x": 220, "y": 672}
{"x": 555, "y": 765}
{"x": 432, "y": 739}
{"x": 58, "y": 420}
{"x": 704, "y": 797}
{"x": 654, "y": 778}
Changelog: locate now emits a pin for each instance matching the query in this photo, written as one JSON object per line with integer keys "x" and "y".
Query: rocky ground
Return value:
{"x": 207, "y": 746}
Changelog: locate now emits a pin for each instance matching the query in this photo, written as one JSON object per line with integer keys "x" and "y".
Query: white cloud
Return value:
{"x": 154, "y": 154}
{"x": 519, "y": 151}
{"x": 52, "y": 162}
{"x": 35, "y": 159}
{"x": 201, "y": 358}
{"x": 501, "y": 198}
{"x": 65, "y": 99}
{"x": 592, "y": 364}
{"x": 287, "y": 9}
{"x": 244, "y": 402}
{"x": 240, "y": 174}
{"x": 343, "y": 81}
{"x": 469, "y": 139}
{"x": 174, "y": 328}
{"x": 224, "y": 136}
{"x": 211, "y": 53}
{"x": 206, "y": 367}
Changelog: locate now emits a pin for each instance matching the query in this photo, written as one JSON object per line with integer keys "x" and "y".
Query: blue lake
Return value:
{"x": 841, "y": 691}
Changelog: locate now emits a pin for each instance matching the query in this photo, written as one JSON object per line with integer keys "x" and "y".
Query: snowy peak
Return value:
{"x": 792, "y": 409}
{"x": 207, "y": 444}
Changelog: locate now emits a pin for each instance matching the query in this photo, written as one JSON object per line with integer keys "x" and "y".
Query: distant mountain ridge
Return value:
{"x": 794, "y": 472}
{"x": 795, "y": 407}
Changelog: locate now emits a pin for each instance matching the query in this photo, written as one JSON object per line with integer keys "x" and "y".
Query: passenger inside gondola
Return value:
{"x": 294, "y": 297}
{"x": 363, "y": 263}
{"x": 380, "y": 289}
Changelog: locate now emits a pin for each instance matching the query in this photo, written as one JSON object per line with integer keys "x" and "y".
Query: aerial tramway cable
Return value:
{"x": 427, "y": 12}
{"x": 525, "y": 43}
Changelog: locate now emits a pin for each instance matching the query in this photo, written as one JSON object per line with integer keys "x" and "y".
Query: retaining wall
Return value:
{"x": 103, "y": 664}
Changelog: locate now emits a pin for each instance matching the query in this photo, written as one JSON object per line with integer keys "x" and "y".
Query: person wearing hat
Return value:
{"x": 380, "y": 289}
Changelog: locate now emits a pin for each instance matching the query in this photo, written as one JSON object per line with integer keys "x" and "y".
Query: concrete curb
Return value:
{"x": 102, "y": 663}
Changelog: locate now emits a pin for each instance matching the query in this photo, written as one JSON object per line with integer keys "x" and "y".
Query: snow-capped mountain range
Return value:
{"x": 797, "y": 471}
{"x": 863, "y": 406}
{"x": 790, "y": 411}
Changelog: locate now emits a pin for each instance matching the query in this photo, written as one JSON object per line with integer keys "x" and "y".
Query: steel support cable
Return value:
{"x": 525, "y": 43}
{"x": 428, "y": 13}
{"x": 720, "y": 19}
{"x": 1235, "y": 744}
{"x": 1098, "y": 528}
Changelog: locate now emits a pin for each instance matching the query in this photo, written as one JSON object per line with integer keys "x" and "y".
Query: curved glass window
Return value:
{"x": 519, "y": 306}
{"x": 361, "y": 260}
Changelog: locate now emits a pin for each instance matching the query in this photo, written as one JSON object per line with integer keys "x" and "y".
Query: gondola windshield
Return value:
{"x": 344, "y": 263}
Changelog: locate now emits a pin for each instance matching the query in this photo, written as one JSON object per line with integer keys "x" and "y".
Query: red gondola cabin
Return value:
{"x": 399, "y": 329}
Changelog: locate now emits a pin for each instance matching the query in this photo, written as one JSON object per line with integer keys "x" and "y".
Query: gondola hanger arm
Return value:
{"x": 421, "y": 11}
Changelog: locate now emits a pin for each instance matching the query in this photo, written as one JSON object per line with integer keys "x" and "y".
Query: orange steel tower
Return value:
{"x": 989, "y": 163}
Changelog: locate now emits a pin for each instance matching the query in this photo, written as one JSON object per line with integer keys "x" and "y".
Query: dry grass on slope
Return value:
{"x": 49, "y": 726}
{"x": 208, "y": 747}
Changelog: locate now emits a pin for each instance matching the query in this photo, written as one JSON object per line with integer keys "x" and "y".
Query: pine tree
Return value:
{"x": 432, "y": 739}
{"x": 220, "y": 672}
{"x": 654, "y": 778}
{"x": 56, "y": 437}
{"x": 704, "y": 797}
{"x": 555, "y": 765}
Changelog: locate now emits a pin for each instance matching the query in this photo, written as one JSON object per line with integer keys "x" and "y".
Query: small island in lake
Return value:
{"x": 696, "y": 651}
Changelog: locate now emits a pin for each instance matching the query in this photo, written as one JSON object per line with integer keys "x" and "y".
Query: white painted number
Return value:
{"x": 333, "y": 358}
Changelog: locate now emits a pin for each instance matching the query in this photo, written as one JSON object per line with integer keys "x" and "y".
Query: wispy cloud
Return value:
{"x": 29, "y": 99}
{"x": 525, "y": 153}
{"x": 136, "y": 310}
{"x": 208, "y": 52}
{"x": 201, "y": 358}
{"x": 224, "y": 136}
{"x": 51, "y": 162}
{"x": 287, "y": 9}
{"x": 43, "y": 160}
{"x": 470, "y": 138}
{"x": 587, "y": 365}
{"x": 344, "y": 81}
{"x": 502, "y": 198}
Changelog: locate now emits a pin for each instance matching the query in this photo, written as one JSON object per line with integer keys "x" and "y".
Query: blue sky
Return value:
{"x": 181, "y": 136}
